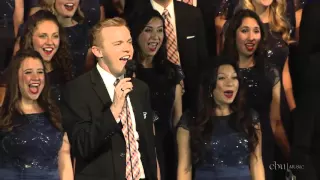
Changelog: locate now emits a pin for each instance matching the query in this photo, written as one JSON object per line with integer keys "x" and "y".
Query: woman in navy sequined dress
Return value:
{"x": 244, "y": 43}
{"x": 33, "y": 146}
{"x": 44, "y": 34}
{"x": 163, "y": 79}
{"x": 222, "y": 141}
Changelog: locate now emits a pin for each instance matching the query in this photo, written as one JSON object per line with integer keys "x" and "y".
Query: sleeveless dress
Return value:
{"x": 30, "y": 150}
{"x": 226, "y": 155}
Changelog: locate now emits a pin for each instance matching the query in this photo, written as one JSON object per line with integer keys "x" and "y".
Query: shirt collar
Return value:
{"x": 160, "y": 8}
{"x": 107, "y": 77}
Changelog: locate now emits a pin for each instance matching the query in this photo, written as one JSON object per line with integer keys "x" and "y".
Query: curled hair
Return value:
{"x": 62, "y": 58}
{"x": 230, "y": 45}
{"x": 11, "y": 107}
{"x": 278, "y": 22}
{"x": 202, "y": 127}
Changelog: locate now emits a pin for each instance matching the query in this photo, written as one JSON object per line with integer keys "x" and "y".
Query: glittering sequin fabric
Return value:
{"x": 226, "y": 155}
{"x": 79, "y": 44}
{"x": 30, "y": 150}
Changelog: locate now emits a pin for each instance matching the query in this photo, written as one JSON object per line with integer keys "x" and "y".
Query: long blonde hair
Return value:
{"x": 278, "y": 21}
{"x": 50, "y": 6}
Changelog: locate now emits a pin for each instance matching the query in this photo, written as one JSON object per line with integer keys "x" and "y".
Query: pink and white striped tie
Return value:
{"x": 133, "y": 170}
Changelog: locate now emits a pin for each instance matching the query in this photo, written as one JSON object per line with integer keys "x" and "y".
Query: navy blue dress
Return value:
{"x": 30, "y": 150}
{"x": 91, "y": 10}
{"x": 6, "y": 32}
{"x": 226, "y": 155}
{"x": 78, "y": 38}
{"x": 57, "y": 81}
{"x": 259, "y": 81}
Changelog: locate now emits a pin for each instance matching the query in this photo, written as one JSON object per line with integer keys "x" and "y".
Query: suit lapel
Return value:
{"x": 100, "y": 88}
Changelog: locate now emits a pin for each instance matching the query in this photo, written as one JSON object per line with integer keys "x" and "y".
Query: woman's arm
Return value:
{"x": 276, "y": 123}
{"x": 16, "y": 46}
{"x": 102, "y": 13}
{"x": 256, "y": 163}
{"x": 64, "y": 163}
{"x": 158, "y": 167}
{"x": 18, "y": 15}
{"x": 287, "y": 84}
{"x": 298, "y": 21}
{"x": 219, "y": 22}
{"x": 177, "y": 106}
{"x": 184, "y": 171}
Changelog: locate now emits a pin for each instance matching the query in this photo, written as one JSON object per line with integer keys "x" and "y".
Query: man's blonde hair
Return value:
{"x": 96, "y": 30}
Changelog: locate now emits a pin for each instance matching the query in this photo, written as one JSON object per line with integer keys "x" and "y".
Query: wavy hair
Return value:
{"x": 230, "y": 45}
{"x": 278, "y": 22}
{"x": 50, "y": 6}
{"x": 201, "y": 126}
{"x": 11, "y": 108}
{"x": 62, "y": 58}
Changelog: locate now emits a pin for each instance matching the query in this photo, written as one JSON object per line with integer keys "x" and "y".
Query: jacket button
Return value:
{"x": 122, "y": 155}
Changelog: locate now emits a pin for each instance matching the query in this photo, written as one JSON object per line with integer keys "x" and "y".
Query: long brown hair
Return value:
{"x": 201, "y": 126}
{"x": 62, "y": 59}
{"x": 278, "y": 22}
{"x": 10, "y": 107}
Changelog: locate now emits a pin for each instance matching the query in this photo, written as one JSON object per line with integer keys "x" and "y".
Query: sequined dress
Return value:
{"x": 259, "y": 81}
{"x": 226, "y": 155}
{"x": 57, "y": 81}
{"x": 30, "y": 150}
{"x": 91, "y": 10}
{"x": 6, "y": 32}
{"x": 78, "y": 38}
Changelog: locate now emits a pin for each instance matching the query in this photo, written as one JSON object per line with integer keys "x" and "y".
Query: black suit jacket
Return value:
{"x": 306, "y": 120}
{"x": 96, "y": 138}
{"x": 209, "y": 10}
{"x": 192, "y": 48}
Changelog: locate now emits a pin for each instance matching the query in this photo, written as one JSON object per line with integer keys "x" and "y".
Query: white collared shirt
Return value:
{"x": 194, "y": 2}
{"x": 170, "y": 9}
{"x": 108, "y": 80}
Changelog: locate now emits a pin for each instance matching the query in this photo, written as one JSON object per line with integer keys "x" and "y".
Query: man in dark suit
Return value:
{"x": 208, "y": 9}
{"x": 109, "y": 121}
{"x": 189, "y": 31}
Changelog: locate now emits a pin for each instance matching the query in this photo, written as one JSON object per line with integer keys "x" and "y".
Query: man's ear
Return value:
{"x": 96, "y": 51}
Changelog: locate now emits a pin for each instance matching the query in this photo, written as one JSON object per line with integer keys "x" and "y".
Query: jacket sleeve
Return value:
{"x": 87, "y": 132}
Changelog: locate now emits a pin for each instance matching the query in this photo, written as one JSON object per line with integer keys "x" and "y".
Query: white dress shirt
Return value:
{"x": 194, "y": 2}
{"x": 108, "y": 80}
{"x": 170, "y": 9}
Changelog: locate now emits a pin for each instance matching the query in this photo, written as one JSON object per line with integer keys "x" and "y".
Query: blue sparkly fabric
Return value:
{"x": 78, "y": 38}
{"x": 226, "y": 155}
{"x": 30, "y": 150}
{"x": 91, "y": 10}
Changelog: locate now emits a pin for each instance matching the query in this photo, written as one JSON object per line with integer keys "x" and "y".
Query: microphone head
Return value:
{"x": 130, "y": 68}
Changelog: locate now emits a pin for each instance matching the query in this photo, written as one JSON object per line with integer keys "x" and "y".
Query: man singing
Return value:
{"x": 108, "y": 118}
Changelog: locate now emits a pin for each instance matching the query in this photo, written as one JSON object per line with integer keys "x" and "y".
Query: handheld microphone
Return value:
{"x": 130, "y": 68}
